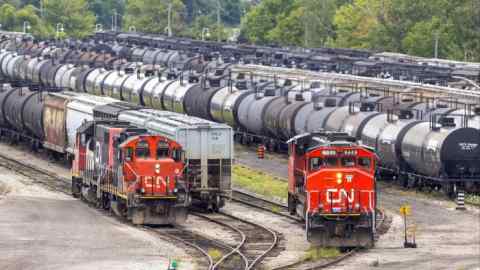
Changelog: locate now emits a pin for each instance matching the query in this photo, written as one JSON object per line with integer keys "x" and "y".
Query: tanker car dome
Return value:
{"x": 476, "y": 110}
{"x": 409, "y": 99}
{"x": 330, "y": 102}
{"x": 367, "y": 106}
{"x": 461, "y": 144}
{"x": 269, "y": 92}
{"x": 441, "y": 106}
{"x": 405, "y": 114}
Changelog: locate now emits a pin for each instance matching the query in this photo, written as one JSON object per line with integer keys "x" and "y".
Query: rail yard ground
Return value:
{"x": 292, "y": 246}
{"x": 42, "y": 229}
{"x": 446, "y": 238}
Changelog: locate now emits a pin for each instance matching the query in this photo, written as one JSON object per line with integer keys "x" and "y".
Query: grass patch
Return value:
{"x": 317, "y": 253}
{"x": 259, "y": 182}
{"x": 473, "y": 199}
{"x": 215, "y": 254}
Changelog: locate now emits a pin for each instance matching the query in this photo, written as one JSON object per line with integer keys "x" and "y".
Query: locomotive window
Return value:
{"x": 162, "y": 150}
{"x": 315, "y": 163}
{"x": 348, "y": 162}
{"x": 364, "y": 162}
{"x": 177, "y": 155}
{"x": 330, "y": 162}
{"x": 142, "y": 150}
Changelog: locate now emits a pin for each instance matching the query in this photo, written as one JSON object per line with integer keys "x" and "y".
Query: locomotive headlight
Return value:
{"x": 142, "y": 190}
{"x": 157, "y": 171}
{"x": 339, "y": 177}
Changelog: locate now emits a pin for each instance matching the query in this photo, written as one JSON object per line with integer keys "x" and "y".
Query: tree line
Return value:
{"x": 80, "y": 18}
{"x": 408, "y": 26}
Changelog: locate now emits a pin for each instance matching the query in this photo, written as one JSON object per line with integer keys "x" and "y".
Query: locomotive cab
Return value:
{"x": 332, "y": 187}
{"x": 137, "y": 175}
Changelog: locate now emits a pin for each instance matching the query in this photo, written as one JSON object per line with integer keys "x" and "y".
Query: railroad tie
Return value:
{"x": 460, "y": 200}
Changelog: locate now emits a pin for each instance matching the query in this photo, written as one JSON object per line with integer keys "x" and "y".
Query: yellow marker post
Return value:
{"x": 406, "y": 210}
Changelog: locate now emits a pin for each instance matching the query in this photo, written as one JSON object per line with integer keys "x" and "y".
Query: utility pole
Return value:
{"x": 41, "y": 9}
{"x": 218, "y": 20}
{"x": 114, "y": 20}
{"x": 436, "y": 44}
{"x": 169, "y": 26}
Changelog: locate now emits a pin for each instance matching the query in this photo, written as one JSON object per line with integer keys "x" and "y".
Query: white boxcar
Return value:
{"x": 80, "y": 109}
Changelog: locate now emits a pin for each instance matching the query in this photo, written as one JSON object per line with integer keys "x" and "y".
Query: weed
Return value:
{"x": 317, "y": 253}
{"x": 215, "y": 254}
{"x": 259, "y": 182}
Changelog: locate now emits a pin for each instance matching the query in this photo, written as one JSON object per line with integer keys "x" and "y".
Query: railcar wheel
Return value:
{"x": 291, "y": 205}
{"x": 449, "y": 189}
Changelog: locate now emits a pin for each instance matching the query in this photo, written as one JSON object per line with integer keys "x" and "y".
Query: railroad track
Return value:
{"x": 48, "y": 179}
{"x": 201, "y": 245}
{"x": 255, "y": 201}
{"x": 277, "y": 208}
{"x": 254, "y": 242}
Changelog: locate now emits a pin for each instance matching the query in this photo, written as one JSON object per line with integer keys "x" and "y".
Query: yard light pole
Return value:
{"x": 60, "y": 29}
{"x": 26, "y": 26}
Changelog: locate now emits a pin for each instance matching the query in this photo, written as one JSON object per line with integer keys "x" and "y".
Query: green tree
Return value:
{"x": 289, "y": 31}
{"x": 77, "y": 19}
{"x": 7, "y": 16}
{"x": 38, "y": 27}
{"x": 151, "y": 15}
{"x": 263, "y": 18}
{"x": 318, "y": 19}
{"x": 356, "y": 23}
{"x": 421, "y": 38}
{"x": 104, "y": 9}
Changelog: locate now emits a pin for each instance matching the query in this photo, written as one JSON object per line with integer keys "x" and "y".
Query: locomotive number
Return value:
{"x": 335, "y": 195}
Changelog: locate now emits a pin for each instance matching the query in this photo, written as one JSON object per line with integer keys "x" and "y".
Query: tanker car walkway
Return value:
{"x": 40, "y": 229}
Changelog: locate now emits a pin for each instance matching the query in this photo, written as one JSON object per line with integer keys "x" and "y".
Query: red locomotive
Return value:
{"x": 137, "y": 175}
{"x": 332, "y": 187}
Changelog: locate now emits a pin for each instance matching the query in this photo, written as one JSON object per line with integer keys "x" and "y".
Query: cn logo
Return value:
{"x": 154, "y": 181}
{"x": 335, "y": 195}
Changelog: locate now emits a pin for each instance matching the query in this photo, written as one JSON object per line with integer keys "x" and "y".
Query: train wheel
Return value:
{"x": 291, "y": 205}
{"x": 243, "y": 140}
{"x": 76, "y": 187}
{"x": 449, "y": 189}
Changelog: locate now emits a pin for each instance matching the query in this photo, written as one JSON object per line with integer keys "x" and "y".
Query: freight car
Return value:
{"x": 267, "y": 113}
{"x": 123, "y": 168}
{"x": 331, "y": 185}
{"x": 61, "y": 122}
{"x": 361, "y": 62}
